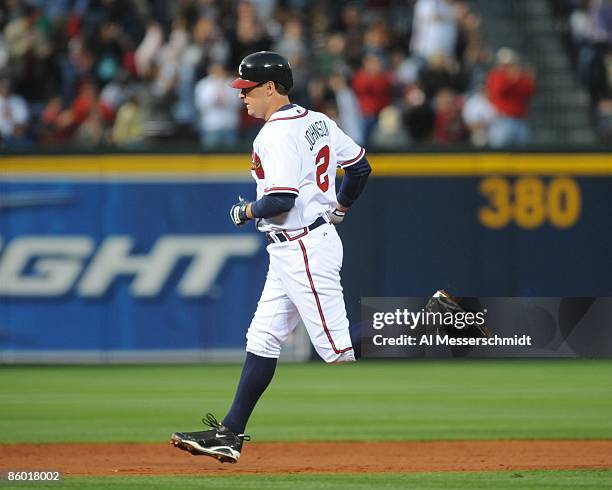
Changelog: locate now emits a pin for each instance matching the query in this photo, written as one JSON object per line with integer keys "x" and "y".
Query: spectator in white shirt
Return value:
{"x": 219, "y": 108}
{"x": 478, "y": 114}
{"x": 14, "y": 114}
{"x": 435, "y": 28}
{"x": 350, "y": 118}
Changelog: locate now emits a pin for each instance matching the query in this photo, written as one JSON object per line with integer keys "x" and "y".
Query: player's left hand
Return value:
{"x": 238, "y": 212}
{"x": 337, "y": 216}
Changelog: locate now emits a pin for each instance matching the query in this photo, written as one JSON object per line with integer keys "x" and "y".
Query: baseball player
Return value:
{"x": 294, "y": 161}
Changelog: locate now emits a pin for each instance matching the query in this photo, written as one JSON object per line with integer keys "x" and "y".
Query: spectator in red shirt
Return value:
{"x": 449, "y": 127}
{"x": 510, "y": 88}
{"x": 60, "y": 126}
{"x": 86, "y": 103}
{"x": 372, "y": 86}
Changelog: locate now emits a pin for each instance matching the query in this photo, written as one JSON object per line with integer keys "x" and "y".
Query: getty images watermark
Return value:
{"x": 448, "y": 325}
{"x": 445, "y": 326}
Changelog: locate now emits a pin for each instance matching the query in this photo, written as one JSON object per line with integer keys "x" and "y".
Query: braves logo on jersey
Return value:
{"x": 256, "y": 166}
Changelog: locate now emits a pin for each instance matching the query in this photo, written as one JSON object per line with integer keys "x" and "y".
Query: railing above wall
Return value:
{"x": 232, "y": 166}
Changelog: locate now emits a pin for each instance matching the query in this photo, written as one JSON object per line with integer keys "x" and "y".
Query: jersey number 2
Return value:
{"x": 322, "y": 164}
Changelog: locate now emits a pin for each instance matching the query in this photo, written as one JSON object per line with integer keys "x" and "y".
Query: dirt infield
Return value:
{"x": 311, "y": 457}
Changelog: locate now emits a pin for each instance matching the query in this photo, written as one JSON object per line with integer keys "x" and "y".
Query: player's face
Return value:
{"x": 256, "y": 99}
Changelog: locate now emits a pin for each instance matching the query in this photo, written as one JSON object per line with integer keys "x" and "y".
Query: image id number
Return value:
{"x": 31, "y": 476}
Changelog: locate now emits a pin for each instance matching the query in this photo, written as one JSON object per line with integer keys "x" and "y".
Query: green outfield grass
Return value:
{"x": 439, "y": 481}
{"x": 418, "y": 400}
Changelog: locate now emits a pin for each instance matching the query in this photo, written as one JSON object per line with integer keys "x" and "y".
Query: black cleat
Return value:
{"x": 219, "y": 442}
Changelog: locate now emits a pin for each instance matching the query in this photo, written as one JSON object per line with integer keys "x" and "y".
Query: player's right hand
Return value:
{"x": 238, "y": 212}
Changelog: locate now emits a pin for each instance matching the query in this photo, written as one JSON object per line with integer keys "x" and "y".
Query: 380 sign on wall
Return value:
{"x": 530, "y": 202}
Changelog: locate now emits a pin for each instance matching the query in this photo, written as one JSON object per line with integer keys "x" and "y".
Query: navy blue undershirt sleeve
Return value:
{"x": 353, "y": 182}
{"x": 273, "y": 205}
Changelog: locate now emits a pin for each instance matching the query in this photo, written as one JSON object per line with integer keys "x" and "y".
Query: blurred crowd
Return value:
{"x": 587, "y": 25}
{"x": 132, "y": 73}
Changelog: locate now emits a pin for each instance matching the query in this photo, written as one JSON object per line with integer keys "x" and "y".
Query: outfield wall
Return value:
{"x": 133, "y": 257}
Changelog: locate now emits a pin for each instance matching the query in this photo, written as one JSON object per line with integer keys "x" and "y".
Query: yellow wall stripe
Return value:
{"x": 464, "y": 164}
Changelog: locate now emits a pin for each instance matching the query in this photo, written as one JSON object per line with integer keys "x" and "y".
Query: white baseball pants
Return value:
{"x": 303, "y": 281}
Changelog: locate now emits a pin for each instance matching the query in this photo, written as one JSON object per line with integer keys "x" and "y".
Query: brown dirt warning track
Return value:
{"x": 311, "y": 457}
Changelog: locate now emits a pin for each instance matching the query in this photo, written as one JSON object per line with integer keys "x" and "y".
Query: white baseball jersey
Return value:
{"x": 297, "y": 151}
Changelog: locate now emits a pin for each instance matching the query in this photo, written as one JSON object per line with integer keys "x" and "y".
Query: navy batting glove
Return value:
{"x": 238, "y": 212}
